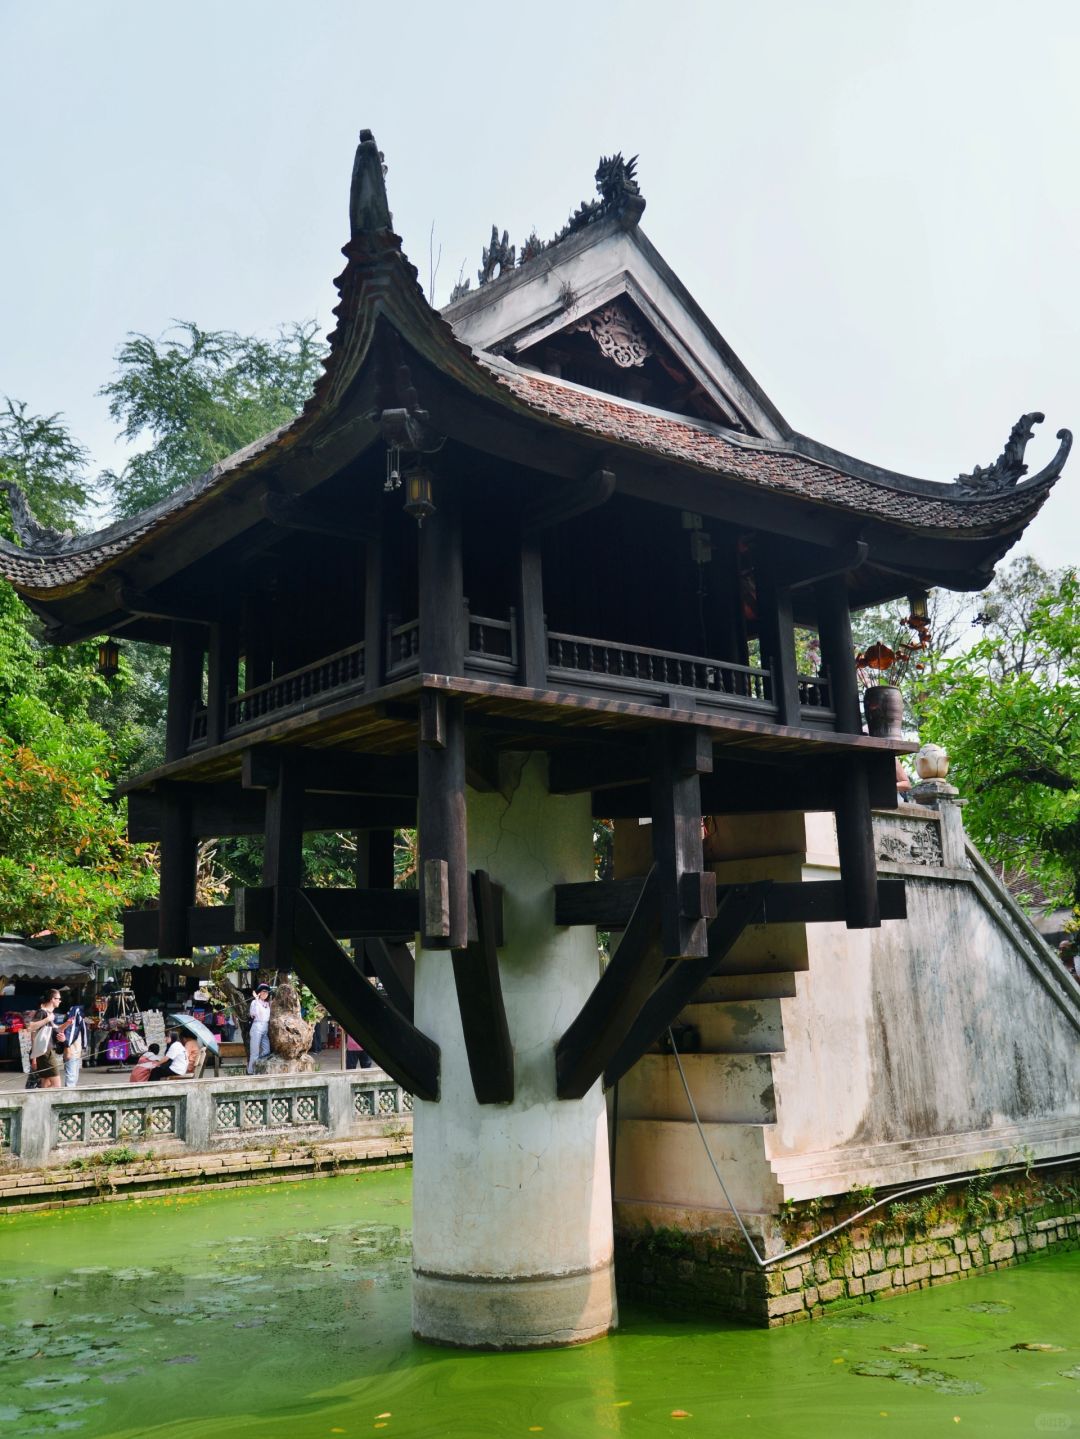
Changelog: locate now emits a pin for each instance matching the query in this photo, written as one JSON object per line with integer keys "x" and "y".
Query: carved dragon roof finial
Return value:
{"x": 368, "y": 206}
{"x": 1009, "y": 467}
{"x": 32, "y": 535}
{"x": 499, "y": 252}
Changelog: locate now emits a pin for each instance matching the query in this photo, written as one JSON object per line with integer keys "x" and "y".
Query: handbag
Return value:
{"x": 137, "y": 1044}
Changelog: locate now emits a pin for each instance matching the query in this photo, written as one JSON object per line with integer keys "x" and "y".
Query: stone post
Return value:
{"x": 934, "y": 791}
{"x": 512, "y": 1234}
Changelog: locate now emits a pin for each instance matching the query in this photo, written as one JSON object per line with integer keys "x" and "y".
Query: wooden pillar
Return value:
{"x": 257, "y": 641}
{"x": 777, "y": 632}
{"x": 687, "y": 893}
{"x": 532, "y": 631}
{"x": 283, "y": 863}
{"x": 375, "y": 657}
{"x": 443, "y": 855}
{"x": 838, "y": 652}
{"x": 177, "y": 858}
{"x": 375, "y": 859}
{"x": 185, "y": 686}
{"x": 855, "y": 843}
{"x": 442, "y": 595}
{"x": 223, "y": 661}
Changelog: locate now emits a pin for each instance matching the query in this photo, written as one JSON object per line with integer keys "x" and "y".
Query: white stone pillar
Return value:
{"x": 512, "y": 1232}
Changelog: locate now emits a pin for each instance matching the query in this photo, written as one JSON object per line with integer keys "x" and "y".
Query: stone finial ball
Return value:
{"x": 932, "y": 762}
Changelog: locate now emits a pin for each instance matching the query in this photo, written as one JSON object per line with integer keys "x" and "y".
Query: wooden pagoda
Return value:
{"x": 558, "y": 517}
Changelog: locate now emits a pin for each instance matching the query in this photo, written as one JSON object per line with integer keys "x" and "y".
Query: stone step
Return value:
{"x": 777, "y": 984}
{"x": 661, "y": 1161}
{"x": 727, "y": 1088}
{"x": 748, "y": 1026}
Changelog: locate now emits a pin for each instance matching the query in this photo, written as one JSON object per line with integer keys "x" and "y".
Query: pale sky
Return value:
{"x": 876, "y": 201}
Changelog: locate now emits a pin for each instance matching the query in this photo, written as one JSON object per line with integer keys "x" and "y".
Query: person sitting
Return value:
{"x": 145, "y": 1063}
{"x": 176, "y": 1061}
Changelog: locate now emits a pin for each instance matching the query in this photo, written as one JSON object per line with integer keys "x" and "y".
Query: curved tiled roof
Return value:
{"x": 379, "y": 282}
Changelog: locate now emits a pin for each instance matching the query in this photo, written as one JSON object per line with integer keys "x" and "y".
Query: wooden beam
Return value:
{"x": 185, "y": 686}
{"x": 816, "y": 565}
{"x": 406, "y": 1054}
{"x": 480, "y": 1001}
{"x": 375, "y": 659}
{"x": 208, "y": 927}
{"x": 532, "y": 627}
{"x": 441, "y": 593}
{"x": 332, "y": 771}
{"x": 855, "y": 842}
{"x": 587, "y": 1046}
{"x": 443, "y": 859}
{"x": 609, "y": 904}
{"x": 292, "y": 514}
{"x": 395, "y": 970}
{"x": 220, "y": 810}
{"x": 684, "y": 977}
{"x": 283, "y": 865}
{"x": 178, "y": 856}
{"x": 393, "y": 912}
{"x": 222, "y": 666}
{"x": 776, "y": 623}
{"x": 676, "y": 835}
{"x": 550, "y": 506}
{"x": 838, "y": 652}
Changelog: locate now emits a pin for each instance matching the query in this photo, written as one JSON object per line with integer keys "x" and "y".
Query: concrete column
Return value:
{"x": 512, "y": 1233}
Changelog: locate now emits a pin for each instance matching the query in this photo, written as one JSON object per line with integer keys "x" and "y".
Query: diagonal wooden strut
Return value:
{"x": 391, "y": 1040}
{"x": 395, "y": 970}
{"x": 480, "y": 1000}
{"x": 740, "y": 905}
{"x": 587, "y": 1046}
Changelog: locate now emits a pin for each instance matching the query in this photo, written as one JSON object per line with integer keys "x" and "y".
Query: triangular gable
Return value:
{"x": 600, "y": 275}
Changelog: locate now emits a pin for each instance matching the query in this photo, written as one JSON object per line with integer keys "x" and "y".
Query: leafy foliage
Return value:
{"x": 1008, "y": 711}
{"x": 202, "y": 395}
{"x": 40, "y": 454}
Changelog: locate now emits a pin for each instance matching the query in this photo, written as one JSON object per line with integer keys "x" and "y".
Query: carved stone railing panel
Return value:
{"x": 109, "y": 1121}
{"x": 903, "y": 840}
{"x": 379, "y": 1099}
{"x": 9, "y": 1131}
{"x": 257, "y": 1112}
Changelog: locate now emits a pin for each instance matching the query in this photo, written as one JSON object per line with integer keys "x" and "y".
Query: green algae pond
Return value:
{"x": 284, "y": 1311}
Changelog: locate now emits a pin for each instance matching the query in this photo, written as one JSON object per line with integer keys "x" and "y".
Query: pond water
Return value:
{"x": 284, "y": 1311}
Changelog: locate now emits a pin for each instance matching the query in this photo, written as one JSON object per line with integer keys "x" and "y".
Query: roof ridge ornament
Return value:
{"x": 1009, "y": 467}
{"x": 369, "y": 208}
{"x": 31, "y": 533}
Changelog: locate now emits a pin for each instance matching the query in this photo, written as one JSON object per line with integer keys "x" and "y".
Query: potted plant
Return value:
{"x": 881, "y": 670}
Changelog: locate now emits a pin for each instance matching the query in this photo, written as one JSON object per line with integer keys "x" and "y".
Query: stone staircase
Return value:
{"x": 829, "y": 1057}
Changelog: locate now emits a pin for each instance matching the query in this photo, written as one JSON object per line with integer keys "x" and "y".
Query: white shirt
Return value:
{"x": 177, "y": 1056}
{"x": 259, "y": 1011}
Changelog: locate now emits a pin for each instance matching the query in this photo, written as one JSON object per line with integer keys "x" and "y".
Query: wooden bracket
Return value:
{"x": 480, "y": 1000}
{"x": 592, "y": 1039}
{"x": 407, "y": 1054}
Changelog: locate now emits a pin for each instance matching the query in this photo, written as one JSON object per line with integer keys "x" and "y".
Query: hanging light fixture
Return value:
{"x": 418, "y": 489}
{"x": 918, "y": 606}
{"x": 108, "y": 659}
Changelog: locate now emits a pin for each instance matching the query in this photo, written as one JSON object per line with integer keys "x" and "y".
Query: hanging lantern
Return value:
{"x": 918, "y": 604}
{"x": 108, "y": 659}
{"x": 418, "y": 487}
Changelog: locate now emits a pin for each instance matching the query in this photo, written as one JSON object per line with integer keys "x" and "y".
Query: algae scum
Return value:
{"x": 285, "y": 1312}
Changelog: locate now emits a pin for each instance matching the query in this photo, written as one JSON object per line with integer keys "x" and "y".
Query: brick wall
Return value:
{"x": 937, "y": 1238}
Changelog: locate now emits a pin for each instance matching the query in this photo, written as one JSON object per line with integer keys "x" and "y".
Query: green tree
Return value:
{"x": 40, "y": 454}
{"x": 201, "y": 395}
{"x": 1008, "y": 712}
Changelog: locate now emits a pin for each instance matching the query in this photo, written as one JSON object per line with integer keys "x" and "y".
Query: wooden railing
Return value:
{"x": 492, "y": 646}
{"x": 664, "y": 669}
{"x": 402, "y": 648}
{"x": 341, "y": 671}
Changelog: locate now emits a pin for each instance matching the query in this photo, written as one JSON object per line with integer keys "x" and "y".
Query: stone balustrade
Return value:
{"x": 204, "y": 1116}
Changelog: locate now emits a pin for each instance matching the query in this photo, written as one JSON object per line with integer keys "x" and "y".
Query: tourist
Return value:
{"x": 75, "y": 1037}
{"x": 146, "y": 1063}
{"x": 259, "y": 1038}
{"x": 903, "y": 782}
{"x": 176, "y": 1061}
{"x": 356, "y": 1055}
{"x": 45, "y": 1058}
